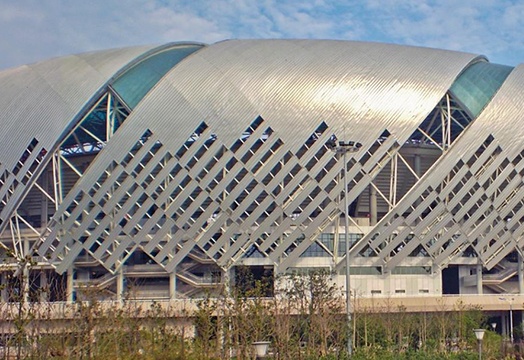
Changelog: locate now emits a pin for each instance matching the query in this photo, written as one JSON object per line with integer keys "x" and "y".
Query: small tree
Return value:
{"x": 320, "y": 322}
{"x": 205, "y": 327}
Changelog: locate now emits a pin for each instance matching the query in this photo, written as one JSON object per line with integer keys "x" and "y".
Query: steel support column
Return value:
{"x": 172, "y": 285}
{"x": 417, "y": 165}
{"x": 120, "y": 284}
{"x": 70, "y": 285}
{"x": 479, "y": 278}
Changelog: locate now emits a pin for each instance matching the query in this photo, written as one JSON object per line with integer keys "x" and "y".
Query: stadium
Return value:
{"x": 163, "y": 169}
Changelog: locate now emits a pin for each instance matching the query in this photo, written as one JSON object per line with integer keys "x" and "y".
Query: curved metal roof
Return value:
{"x": 359, "y": 90}
{"x": 296, "y": 84}
{"x": 134, "y": 81}
{"x": 481, "y": 201}
{"x": 40, "y": 104}
{"x": 41, "y": 100}
{"x": 193, "y": 116}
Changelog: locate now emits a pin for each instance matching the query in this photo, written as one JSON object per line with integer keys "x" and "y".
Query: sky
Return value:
{"x": 33, "y": 30}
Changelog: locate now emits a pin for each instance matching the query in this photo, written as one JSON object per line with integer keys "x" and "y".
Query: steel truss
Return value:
{"x": 22, "y": 231}
{"x": 472, "y": 208}
{"x": 228, "y": 158}
{"x": 230, "y": 202}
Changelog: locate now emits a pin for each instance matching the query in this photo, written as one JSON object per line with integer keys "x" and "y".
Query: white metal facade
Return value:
{"x": 231, "y": 153}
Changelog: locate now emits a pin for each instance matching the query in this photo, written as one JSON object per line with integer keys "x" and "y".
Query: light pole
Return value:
{"x": 479, "y": 334}
{"x": 343, "y": 148}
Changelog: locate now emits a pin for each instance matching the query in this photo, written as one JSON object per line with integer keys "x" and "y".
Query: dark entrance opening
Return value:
{"x": 450, "y": 280}
{"x": 253, "y": 281}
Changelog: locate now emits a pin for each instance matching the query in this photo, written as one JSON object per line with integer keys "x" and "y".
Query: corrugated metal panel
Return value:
{"x": 484, "y": 171}
{"x": 63, "y": 85}
{"x": 42, "y": 101}
{"x": 107, "y": 62}
{"x": 49, "y": 96}
{"x": 348, "y": 85}
{"x": 358, "y": 89}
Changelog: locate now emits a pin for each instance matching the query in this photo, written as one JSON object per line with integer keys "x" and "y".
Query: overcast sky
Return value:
{"x": 32, "y": 30}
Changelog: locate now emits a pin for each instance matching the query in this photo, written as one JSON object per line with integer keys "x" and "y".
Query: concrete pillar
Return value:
{"x": 436, "y": 273}
{"x": 70, "y": 285}
{"x": 520, "y": 270}
{"x": 387, "y": 282}
{"x": 372, "y": 206}
{"x": 120, "y": 284}
{"x": 504, "y": 319}
{"x": 479, "y": 279}
{"x": 227, "y": 275}
{"x": 172, "y": 285}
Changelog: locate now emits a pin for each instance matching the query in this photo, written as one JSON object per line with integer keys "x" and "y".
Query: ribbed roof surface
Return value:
{"x": 359, "y": 90}
{"x": 295, "y": 84}
{"x": 249, "y": 106}
{"x": 486, "y": 211}
{"x": 41, "y": 100}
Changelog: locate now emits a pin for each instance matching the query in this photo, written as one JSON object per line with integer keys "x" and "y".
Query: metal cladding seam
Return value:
{"x": 500, "y": 124}
{"x": 358, "y": 89}
{"x": 43, "y": 101}
{"x": 348, "y": 85}
{"x": 50, "y": 94}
